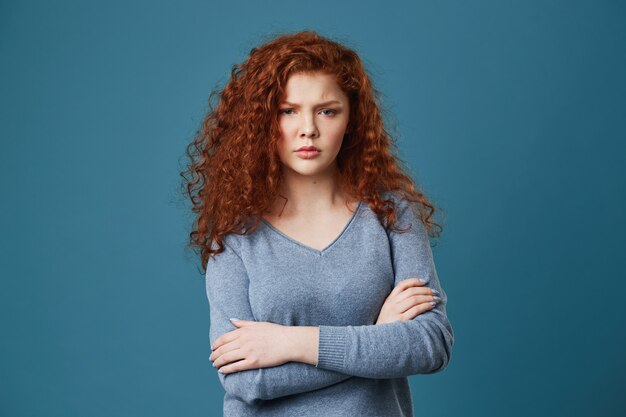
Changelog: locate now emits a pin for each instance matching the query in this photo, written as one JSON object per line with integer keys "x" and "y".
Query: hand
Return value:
{"x": 407, "y": 300}
{"x": 253, "y": 345}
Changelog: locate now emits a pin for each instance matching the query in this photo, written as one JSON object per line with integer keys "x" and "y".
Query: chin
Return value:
{"x": 310, "y": 171}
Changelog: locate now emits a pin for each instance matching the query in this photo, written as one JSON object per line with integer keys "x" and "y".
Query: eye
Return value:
{"x": 284, "y": 111}
{"x": 332, "y": 112}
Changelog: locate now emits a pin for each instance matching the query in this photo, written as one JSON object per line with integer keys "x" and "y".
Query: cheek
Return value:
{"x": 283, "y": 148}
{"x": 284, "y": 133}
{"x": 337, "y": 137}
{"x": 286, "y": 125}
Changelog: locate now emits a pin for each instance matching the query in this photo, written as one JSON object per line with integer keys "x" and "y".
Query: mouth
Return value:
{"x": 308, "y": 148}
{"x": 307, "y": 154}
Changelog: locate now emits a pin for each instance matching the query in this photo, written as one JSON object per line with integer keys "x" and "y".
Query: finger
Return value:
{"x": 416, "y": 311}
{"x": 237, "y": 366}
{"x": 413, "y": 291}
{"x": 225, "y": 338}
{"x": 223, "y": 349}
{"x": 228, "y": 357}
{"x": 225, "y": 344}
{"x": 406, "y": 283}
{"x": 413, "y": 301}
{"x": 242, "y": 323}
{"x": 227, "y": 347}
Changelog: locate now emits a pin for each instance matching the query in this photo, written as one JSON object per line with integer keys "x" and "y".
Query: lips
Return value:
{"x": 307, "y": 154}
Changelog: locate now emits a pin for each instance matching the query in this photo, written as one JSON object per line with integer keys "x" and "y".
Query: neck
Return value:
{"x": 309, "y": 194}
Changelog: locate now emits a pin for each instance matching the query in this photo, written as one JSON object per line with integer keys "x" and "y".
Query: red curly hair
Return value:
{"x": 234, "y": 174}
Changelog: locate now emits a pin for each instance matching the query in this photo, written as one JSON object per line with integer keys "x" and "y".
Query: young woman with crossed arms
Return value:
{"x": 319, "y": 303}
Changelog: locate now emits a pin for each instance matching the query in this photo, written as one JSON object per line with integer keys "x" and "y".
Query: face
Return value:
{"x": 314, "y": 113}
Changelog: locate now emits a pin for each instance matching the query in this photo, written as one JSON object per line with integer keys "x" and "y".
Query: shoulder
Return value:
{"x": 232, "y": 241}
{"x": 401, "y": 204}
{"x": 407, "y": 213}
{"x": 231, "y": 246}
{"x": 395, "y": 196}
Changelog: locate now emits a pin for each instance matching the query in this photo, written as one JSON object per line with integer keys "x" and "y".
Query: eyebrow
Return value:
{"x": 326, "y": 103}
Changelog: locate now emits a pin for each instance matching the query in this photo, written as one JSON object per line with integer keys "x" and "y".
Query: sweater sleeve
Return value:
{"x": 401, "y": 348}
{"x": 227, "y": 292}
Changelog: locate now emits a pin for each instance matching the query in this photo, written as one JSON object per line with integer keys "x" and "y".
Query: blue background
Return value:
{"x": 512, "y": 115}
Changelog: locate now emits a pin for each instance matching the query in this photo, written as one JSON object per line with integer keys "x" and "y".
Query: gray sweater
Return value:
{"x": 362, "y": 367}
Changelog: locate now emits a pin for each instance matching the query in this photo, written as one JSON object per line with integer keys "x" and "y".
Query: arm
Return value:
{"x": 227, "y": 293}
{"x": 401, "y": 348}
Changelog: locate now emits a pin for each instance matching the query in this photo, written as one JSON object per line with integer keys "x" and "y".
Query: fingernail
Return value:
{"x": 234, "y": 319}
{"x": 435, "y": 291}
{"x": 423, "y": 280}
{"x": 220, "y": 371}
{"x": 437, "y": 298}
{"x": 433, "y": 303}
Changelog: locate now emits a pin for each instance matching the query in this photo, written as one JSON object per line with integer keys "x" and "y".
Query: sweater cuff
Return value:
{"x": 332, "y": 348}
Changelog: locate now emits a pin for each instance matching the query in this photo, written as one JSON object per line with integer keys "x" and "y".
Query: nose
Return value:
{"x": 309, "y": 129}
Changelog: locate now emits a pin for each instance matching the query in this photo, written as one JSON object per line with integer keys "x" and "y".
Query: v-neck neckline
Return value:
{"x": 327, "y": 247}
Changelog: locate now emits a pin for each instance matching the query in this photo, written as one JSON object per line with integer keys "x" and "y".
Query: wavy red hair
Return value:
{"x": 234, "y": 174}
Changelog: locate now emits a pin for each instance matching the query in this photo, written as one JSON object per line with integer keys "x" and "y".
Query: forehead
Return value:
{"x": 313, "y": 87}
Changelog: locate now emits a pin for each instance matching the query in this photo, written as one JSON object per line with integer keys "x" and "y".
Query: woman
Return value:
{"x": 320, "y": 305}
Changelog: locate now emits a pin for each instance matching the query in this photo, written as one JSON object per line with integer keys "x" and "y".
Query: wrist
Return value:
{"x": 304, "y": 344}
